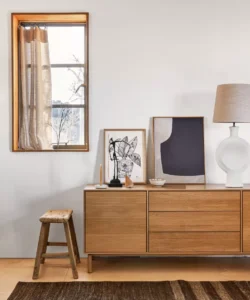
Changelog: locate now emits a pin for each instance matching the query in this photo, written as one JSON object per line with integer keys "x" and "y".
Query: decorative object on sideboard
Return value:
{"x": 179, "y": 149}
{"x": 125, "y": 154}
{"x": 157, "y": 181}
{"x": 113, "y": 149}
{"x": 232, "y": 105}
{"x": 101, "y": 185}
{"x": 128, "y": 182}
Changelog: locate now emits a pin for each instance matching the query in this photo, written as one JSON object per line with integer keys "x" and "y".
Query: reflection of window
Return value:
{"x": 61, "y": 41}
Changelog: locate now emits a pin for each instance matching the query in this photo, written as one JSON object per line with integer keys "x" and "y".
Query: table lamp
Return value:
{"x": 232, "y": 105}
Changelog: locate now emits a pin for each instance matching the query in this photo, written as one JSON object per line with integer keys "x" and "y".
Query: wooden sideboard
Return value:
{"x": 171, "y": 220}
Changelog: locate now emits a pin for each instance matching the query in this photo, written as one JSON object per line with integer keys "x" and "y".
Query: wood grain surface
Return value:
{"x": 193, "y": 242}
{"x": 194, "y": 221}
{"x": 194, "y": 201}
{"x": 115, "y": 222}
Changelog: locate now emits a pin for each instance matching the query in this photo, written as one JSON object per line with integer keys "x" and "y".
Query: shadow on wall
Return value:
{"x": 28, "y": 222}
{"x": 150, "y": 151}
{"x": 99, "y": 158}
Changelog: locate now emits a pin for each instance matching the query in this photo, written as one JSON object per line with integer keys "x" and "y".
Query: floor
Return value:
{"x": 126, "y": 269}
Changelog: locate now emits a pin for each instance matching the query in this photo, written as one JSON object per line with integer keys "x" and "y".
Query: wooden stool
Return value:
{"x": 57, "y": 216}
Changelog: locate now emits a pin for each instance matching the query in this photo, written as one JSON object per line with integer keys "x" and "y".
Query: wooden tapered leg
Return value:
{"x": 71, "y": 250}
{"x": 39, "y": 250}
{"x": 46, "y": 237}
{"x": 89, "y": 263}
{"x": 74, "y": 240}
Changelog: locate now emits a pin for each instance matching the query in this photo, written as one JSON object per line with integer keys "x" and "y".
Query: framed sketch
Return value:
{"x": 130, "y": 149}
{"x": 179, "y": 149}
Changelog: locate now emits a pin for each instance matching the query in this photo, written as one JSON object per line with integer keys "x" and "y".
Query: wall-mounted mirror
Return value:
{"x": 50, "y": 82}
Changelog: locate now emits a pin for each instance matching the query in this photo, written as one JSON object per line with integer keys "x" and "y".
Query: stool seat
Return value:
{"x": 56, "y": 216}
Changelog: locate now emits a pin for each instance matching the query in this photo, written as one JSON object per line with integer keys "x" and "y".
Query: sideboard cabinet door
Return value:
{"x": 115, "y": 222}
{"x": 246, "y": 221}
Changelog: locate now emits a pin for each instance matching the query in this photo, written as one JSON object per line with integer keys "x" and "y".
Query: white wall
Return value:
{"x": 147, "y": 58}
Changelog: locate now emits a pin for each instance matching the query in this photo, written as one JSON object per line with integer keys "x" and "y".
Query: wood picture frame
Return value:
{"x": 135, "y": 168}
{"x": 47, "y": 18}
{"x": 174, "y": 150}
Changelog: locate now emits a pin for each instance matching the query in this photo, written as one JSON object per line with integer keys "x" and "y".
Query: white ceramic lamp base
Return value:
{"x": 234, "y": 180}
{"x": 233, "y": 156}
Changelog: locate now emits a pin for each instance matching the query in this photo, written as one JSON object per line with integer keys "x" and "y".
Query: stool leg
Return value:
{"x": 74, "y": 240}
{"x": 89, "y": 263}
{"x": 46, "y": 237}
{"x": 71, "y": 250}
{"x": 39, "y": 250}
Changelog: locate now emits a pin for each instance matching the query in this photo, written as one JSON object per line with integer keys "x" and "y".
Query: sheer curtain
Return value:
{"x": 35, "y": 90}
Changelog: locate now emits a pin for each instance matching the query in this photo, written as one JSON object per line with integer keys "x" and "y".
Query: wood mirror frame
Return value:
{"x": 62, "y": 18}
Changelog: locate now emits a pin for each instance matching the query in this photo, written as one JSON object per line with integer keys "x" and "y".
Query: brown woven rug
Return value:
{"x": 167, "y": 290}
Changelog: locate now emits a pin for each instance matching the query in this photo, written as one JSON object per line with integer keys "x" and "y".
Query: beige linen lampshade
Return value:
{"x": 232, "y": 103}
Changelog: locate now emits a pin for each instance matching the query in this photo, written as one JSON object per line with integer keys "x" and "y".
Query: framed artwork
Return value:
{"x": 179, "y": 149}
{"x": 129, "y": 146}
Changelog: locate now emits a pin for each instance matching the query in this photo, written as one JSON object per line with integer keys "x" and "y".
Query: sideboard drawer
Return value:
{"x": 194, "y": 201}
{"x": 194, "y": 221}
{"x": 194, "y": 242}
